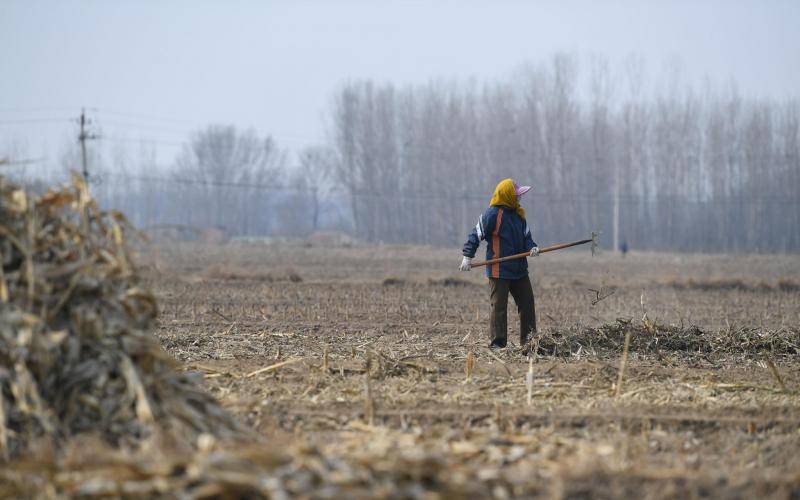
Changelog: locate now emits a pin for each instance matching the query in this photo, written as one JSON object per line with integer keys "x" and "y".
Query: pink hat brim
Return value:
{"x": 522, "y": 190}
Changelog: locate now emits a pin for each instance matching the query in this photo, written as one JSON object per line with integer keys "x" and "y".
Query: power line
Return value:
{"x": 34, "y": 120}
{"x": 140, "y": 115}
{"x": 38, "y": 110}
{"x": 467, "y": 195}
{"x": 138, "y": 123}
{"x": 200, "y": 182}
{"x": 140, "y": 126}
{"x": 141, "y": 140}
{"x": 282, "y": 137}
{"x": 189, "y": 133}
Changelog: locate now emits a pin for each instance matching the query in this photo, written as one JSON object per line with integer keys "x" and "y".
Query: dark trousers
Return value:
{"x": 522, "y": 292}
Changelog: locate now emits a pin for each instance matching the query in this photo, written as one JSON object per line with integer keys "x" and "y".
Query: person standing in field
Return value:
{"x": 506, "y": 231}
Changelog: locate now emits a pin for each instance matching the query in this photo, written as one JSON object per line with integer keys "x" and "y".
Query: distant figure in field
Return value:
{"x": 506, "y": 232}
{"x": 624, "y": 248}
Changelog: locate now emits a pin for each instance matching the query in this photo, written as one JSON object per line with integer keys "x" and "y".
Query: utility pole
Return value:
{"x": 82, "y": 137}
{"x": 615, "y": 215}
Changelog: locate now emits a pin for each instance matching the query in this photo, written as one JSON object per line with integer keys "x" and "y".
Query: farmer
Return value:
{"x": 506, "y": 232}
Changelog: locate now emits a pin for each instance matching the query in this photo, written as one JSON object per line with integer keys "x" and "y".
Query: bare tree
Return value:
{"x": 315, "y": 178}
{"x": 226, "y": 174}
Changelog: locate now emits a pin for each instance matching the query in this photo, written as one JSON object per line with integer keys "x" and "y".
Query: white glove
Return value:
{"x": 534, "y": 251}
{"x": 465, "y": 264}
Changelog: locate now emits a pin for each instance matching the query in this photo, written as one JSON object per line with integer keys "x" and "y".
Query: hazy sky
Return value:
{"x": 175, "y": 66}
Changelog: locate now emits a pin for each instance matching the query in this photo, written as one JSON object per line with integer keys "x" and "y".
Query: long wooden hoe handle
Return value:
{"x": 525, "y": 254}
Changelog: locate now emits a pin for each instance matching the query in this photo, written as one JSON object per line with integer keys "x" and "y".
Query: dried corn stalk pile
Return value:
{"x": 76, "y": 350}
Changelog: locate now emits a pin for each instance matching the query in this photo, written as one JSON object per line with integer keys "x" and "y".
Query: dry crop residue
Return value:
{"x": 700, "y": 410}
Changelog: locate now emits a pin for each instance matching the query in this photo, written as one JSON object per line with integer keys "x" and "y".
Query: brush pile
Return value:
{"x": 77, "y": 352}
{"x": 651, "y": 338}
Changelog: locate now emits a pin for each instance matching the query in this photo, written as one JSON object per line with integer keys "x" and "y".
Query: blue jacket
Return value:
{"x": 506, "y": 234}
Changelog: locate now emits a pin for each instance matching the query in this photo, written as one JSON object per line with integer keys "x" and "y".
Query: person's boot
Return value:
{"x": 496, "y": 344}
{"x": 525, "y": 344}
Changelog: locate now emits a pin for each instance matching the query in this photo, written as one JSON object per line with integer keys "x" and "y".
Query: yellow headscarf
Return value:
{"x": 506, "y": 195}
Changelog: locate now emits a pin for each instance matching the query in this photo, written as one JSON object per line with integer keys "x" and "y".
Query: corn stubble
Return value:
{"x": 77, "y": 352}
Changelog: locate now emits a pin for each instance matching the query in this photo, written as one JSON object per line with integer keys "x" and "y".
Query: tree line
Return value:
{"x": 672, "y": 168}
{"x": 224, "y": 178}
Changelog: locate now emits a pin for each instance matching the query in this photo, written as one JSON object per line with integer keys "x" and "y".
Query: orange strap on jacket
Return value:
{"x": 495, "y": 268}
